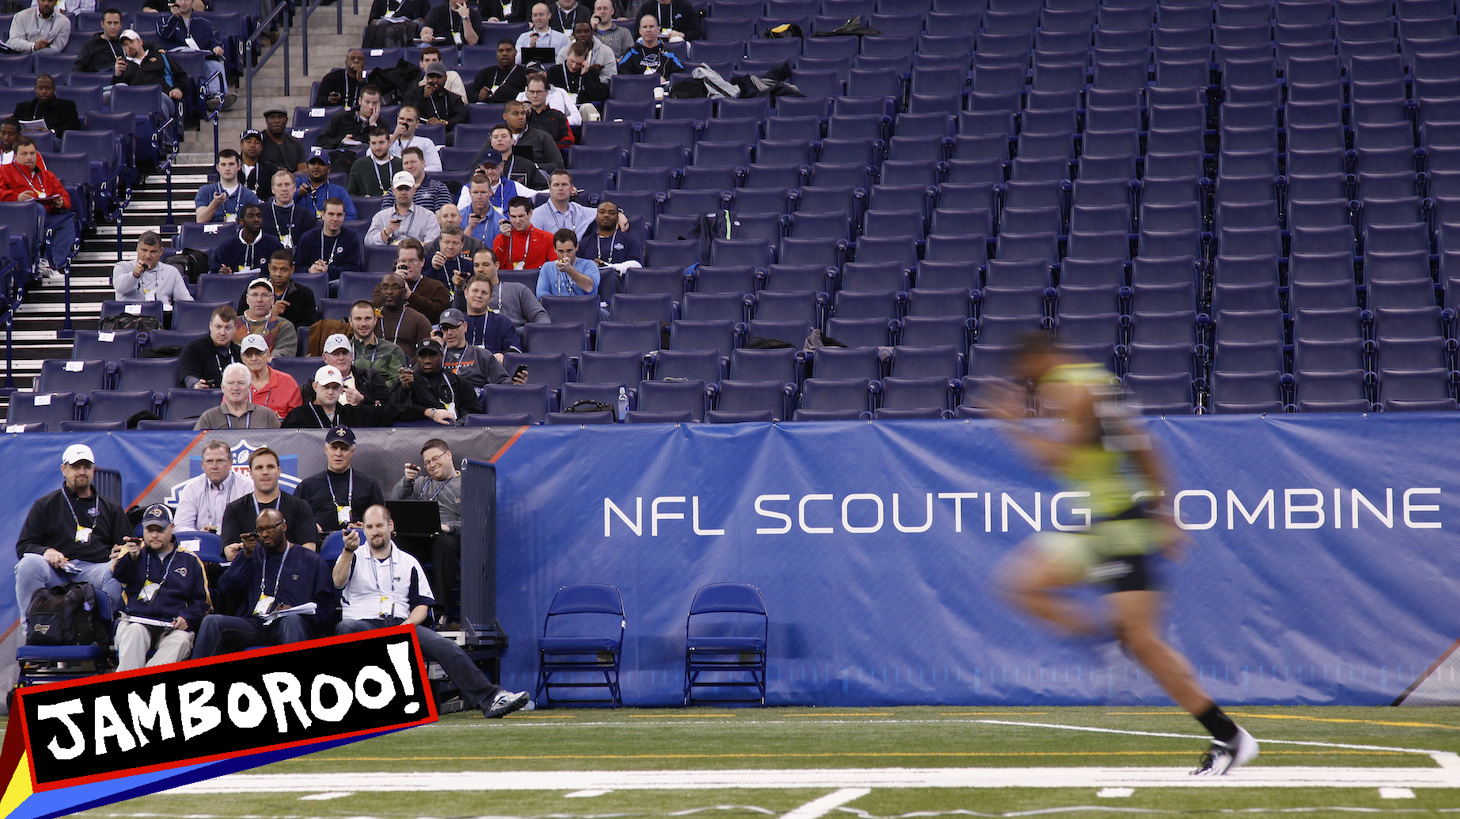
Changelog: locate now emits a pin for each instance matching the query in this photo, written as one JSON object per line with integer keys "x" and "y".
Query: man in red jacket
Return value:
{"x": 23, "y": 181}
{"x": 523, "y": 247}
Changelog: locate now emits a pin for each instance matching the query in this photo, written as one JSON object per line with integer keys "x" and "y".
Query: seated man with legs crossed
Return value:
{"x": 167, "y": 595}
{"x": 385, "y": 586}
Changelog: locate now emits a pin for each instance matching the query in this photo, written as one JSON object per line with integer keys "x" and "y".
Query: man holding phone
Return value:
{"x": 385, "y": 586}
{"x": 431, "y": 386}
{"x": 164, "y": 585}
{"x": 471, "y": 363}
{"x": 202, "y": 360}
{"x": 404, "y": 217}
{"x": 442, "y": 484}
{"x": 146, "y": 278}
{"x": 568, "y": 275}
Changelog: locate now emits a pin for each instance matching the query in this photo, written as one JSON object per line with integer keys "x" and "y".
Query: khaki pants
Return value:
{"x": 133, "y": 640}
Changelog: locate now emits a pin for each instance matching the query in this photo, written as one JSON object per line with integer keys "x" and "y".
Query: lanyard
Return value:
{"x": 259, "y": 510}
{"x": 611, "y": 238}
{"x": 166, "y": 566}
{"x": 422, "y": 494}
{"x": 450, "y": 391}
{"x": 328, "y": 255}
{"x": 567, "y": 76}
{"x": 473, "y": 335}
{"x": 436, "y": 111}
{"x": 349, "y": 489}
{"x": 32, "y": 179}
{"x": 563, "y": 24}
{"x": 274, "y": 209}
{"x": 322, "y": 418}
{"x": 389, "y": 564}
{"x": 222, "y": 362}
{"x": 223, "y": 490}
{"x": 74, "y": 516}
{"x": 384, "y": 180}
{"x": 247, "y": 423}
{"x": 228, "y": 198}
{"x": 278, "y": 577}
{"x": 566, "y": 286}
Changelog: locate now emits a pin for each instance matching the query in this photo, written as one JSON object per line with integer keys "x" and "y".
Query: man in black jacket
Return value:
{"x": 326, "y": 410}
{"x": 677, "y": 19}
{"x": 339, "y": 495}
{"x": 348, "y": 128}
{"x": 60, "y": 115}
{"x": 531, "y": 143}
{"x": 503, "y": 81}
{"x": 434, "y": 103}
{"x": 429, "y": 385}
{"x": 299, "y": 303}
{"x": 362, "y": 385}
{"x": 581, "y": 82}
{"x": 239, "y": 515}
{"x": 144, "y": 66}
{"x": 254, "y": 172}
{"x": 69, "y": 534}
{"x": 104, "y": 48}
{"x": 202, "y": 360}
{"x": 543, "y": 117}
{"x": 342, "y": 85}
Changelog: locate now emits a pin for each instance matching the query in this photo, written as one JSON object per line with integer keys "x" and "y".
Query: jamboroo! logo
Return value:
{"x": 288, "y": 469}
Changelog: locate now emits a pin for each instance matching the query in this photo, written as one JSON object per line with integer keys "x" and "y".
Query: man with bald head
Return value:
{"x": 269, "y": 576}
{"x": 399, "y": 322}
{"x": 342, "y": 85}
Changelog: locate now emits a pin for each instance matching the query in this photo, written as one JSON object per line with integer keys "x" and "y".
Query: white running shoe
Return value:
{"x": 1223, "y": 757}
{"x": 506, "y": 702}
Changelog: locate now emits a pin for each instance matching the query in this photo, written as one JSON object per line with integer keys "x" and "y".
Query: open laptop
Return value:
{"x": 415, "y": 518}
{"x": 546, "y": 56}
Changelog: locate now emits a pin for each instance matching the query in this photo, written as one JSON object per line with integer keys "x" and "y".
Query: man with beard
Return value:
{"x": 501, "y": 82}
{"x": 384, "y": 357}
{"x": 425, "y": 295}
{"x": 102, "y": 51}
{"x": 434, "y": 103}
{"x": 342, "y": 85}
{"x": 399, "y": 322}
{"x": 59, "y": 114}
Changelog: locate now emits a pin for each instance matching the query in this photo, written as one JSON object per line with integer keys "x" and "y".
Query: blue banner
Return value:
{"x": 1319, "y": 569}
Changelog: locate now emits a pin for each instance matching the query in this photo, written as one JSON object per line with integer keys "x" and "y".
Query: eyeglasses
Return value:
{"x": 437, "y": 459}
{"x": 268, "y": 527}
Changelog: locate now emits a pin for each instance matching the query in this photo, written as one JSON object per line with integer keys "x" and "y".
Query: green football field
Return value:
{"x": 851, "y": 764}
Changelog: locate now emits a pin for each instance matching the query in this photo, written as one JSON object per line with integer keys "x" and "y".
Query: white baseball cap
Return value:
{"x": 338, "y": 341}
{"x": 130, "y": 34}
{"x": 402, "y": 179}
{"x": 261, "y": 282}
{"x": 327, "y": 375}
{"x": 253, "y": 341}
{"x": 76, "y": 453}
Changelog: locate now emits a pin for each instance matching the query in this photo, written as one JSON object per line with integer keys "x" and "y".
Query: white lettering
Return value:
{"x": 152, "y": 715}
{"x": 108, "y": 723}
{"x": 636, "y": 525}
{"x": 1290, "y": 507}
{"x": 1006, "y": 502}
{"x": 846, "y": 519}
{"x": 63, "y": 711}
{"x": 801, "y": 514}
{"x": 246, "y": 708}
{"x": 198, "y": 717}
{"x": 343, "y": 698}
{"x": 1235, "y": 503}
{"x": 927, "y": 522}
{"x": 1386, "y": 517}
{"x": 766, "y": 513}
{"x": 1082, "y": 513}
{"x": 1196, "y": 493}
{"x": 1420, "y": 507}
{"x": 376, "y": 674}
{"x": 958, "y": 498}
{"x": 655, "y": 515}
{"x": 695, "y": 510}
{"x": 284, "y": 691}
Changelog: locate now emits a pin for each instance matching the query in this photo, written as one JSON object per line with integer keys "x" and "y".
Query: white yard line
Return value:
{"x": 1253, "y": 777}
{"x": 1260, "y": 740}
{"x": 817, "y": 808}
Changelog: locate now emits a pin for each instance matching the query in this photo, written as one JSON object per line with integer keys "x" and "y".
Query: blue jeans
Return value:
{"x": 222, "y": 633}
{"x": 32, "y": 573}
{"x": 475, "y": 688}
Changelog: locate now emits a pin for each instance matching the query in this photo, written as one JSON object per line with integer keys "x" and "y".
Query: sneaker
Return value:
{"x": 229, "y": 100}
{"x": 506, "y": 702}
{"x": 214, "y": 103}
{"x": 1223, "y": 757}
{"x": 46, "y": 269}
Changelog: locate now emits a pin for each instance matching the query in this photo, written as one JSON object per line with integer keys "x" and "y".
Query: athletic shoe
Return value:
{"x": 1223, "y": 757}
{"x": 505, "y": 703}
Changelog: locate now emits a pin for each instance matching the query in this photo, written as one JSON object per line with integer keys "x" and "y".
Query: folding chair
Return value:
{"x": 721, "y": 641}
{"x": 578, "y": 639}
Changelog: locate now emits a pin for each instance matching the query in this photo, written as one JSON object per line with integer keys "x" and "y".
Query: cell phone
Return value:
{"x": 249, "y": 536}
{"x": 521, "y": 370}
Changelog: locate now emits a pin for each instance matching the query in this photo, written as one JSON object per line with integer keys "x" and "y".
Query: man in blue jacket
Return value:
{"x": 182, "y": 30}
{"x": 269, "y": 576}
{"x": 167, "y": 594}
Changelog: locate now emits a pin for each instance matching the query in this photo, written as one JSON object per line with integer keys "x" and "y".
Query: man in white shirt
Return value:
{"x": 384, "y": 586}
{"x": 146, "y": 278}
{"x": 540, "y": 35}
{"x": 39, "y": 28}
{"x": 560, "y": 211}
{"x": 201, "y": 501}
{"x": 406, "y": 123}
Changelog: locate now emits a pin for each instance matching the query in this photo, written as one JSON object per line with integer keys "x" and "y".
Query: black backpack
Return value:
{"x": 191, "y": 262}
{"x": 65, "y": 616}
{"x": 127, "y": 321}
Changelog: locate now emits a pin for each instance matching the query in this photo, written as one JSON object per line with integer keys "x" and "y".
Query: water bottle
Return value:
{"x": 623, "y": 404}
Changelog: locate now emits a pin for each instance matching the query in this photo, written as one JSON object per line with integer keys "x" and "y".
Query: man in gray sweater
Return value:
{"x": 514, "y": 300}
{"x": 442, "y": 484}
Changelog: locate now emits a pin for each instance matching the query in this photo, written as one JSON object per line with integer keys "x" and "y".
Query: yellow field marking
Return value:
{"x": 677, "y": 716}
{"x": 841, "y": 714}
{"x": 913, "y": 754}
{"x": 541, "y": 716}
{"x": 1391, "y": 724}
{"x": 991, "y": 713}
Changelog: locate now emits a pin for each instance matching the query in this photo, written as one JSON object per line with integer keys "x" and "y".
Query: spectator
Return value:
{"x": 491, "y": 331}
{"x": 400, "y": 322}
{"x": 472, "y": 363}
{"x": 162, "y": 583}
{"x": 435, "y": 104}
{"x": 566, "y": 14}
{"x": 481, "y": 217}
{"x": 513, "y": 300}
{"x": 523, "y": 246}
{"x": 263, "y": 468}
{"x": 329, "y": 248}
{"x": 201, "y": 500}
{"x": 255, "y": 174}
{"x": 362, "y": 385}
{"x": 367, "y": 605}
{"x": 552, "y": 119}
{"x": 255, "y": 561}
{"x": 149, "y": 66}
{"x": 428, "y": 385}
{"x": 370, "y": 175}
{"x": 341, "y": 86}
{"x": 294, "y": 303}
{"x": 580, "y": 82}
{"x": 404, "y": 217}
{"x": 24, "y": 180}
{"x": 286, "y": 218}
{"x": 237, "y": 410}
{"x": 339, "y": 495}
{"x": 9, "y": 136}
{"x": 407, "y": 120}
{"x": 615, "y": 37}
{"x": 452, "y": 22}
{"x": 59, "y": 114}
{"x": 246, "y": 252}
{"x": 201, "y": 362}
{"x": 511, "y": 166}
{"x": 348, "y": 128}
{"x": 277, "y": 391}
{"x": 318, "y": 189}
{"x": 223, "y": 201}
{"x": 441, "y": 483}
{"x": 147, "y": 278}
{"x": 182, "y": 30}
{"x": 386, "y": 15}
{"x": 598, "y": 57}
{"x": 101, "y": 52}
{"x": 430, "y": 194}
{"x": 371, "y": 351}
{"x": 568, "y": 275}
{"x": 39, "y": 28}
{"x": 448, "y": 263}
{"x": 280, "y": 147}
{"x": 430, "y": 56}
{"x": 675, "y": 20}
{"x": 450, "y": 216}
{"x": 650, "y": 55}
{"x": 326, "y": 410}
{"x": 427, "y": 296}
{"x": 262, "y": 318}
{"x": 74, "y": 526}
{"x": 501, "y": 82}
{"x": 607, "y": 244}
{"x": 540, "y": 35}
{"x": 560, "y": 211}
{"x": 534, "y": 143}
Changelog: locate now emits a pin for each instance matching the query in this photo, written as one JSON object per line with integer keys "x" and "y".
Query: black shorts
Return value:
{"x": 1124, "y": 573}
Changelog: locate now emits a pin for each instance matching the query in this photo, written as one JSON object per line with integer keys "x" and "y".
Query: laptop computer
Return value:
{"x": 415, "y": 518}
{"x": 546, "y": 56}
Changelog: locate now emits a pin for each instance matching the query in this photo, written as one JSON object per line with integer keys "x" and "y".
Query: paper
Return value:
{"x": 45, "y": 400}
{"x": 190, "y": 545}
{"x": 33, "y": 126}
{"x": 73, "y": 366}
{"x": 210, "y": 228}
{"x": 302, "y": 609}
{"x": 15, "y": 427}
{"x": 133, "y": 309}
{"x": 316, "y": 112}
{"x": 148, "y": 621}
{"x": 105, "y": 336}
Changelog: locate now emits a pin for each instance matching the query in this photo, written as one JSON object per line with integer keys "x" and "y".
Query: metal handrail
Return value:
{"x": 339, "y": 26}
{"x": 254, "y": 65}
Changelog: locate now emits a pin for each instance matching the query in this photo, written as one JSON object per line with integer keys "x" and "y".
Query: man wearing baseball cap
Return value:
{"x": 238, "y": 411}
{"x": 404, "y": 217}
{"x": 431, "y": 386}
{"x": 362, "y": 385}
{"x": 167, "y": 595}
{"x": 339, "y": 495}
{"x": 281, "y": 147}
{"x": 326, "y": 411}
{"x": 471, "y": 363}
{"x": 68, "y": 535}
{"x": 433, "y": 102}
{"x": 262, "y": 319}
{"x": 255, "y": 173}
{"x": 148, "y": 66}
